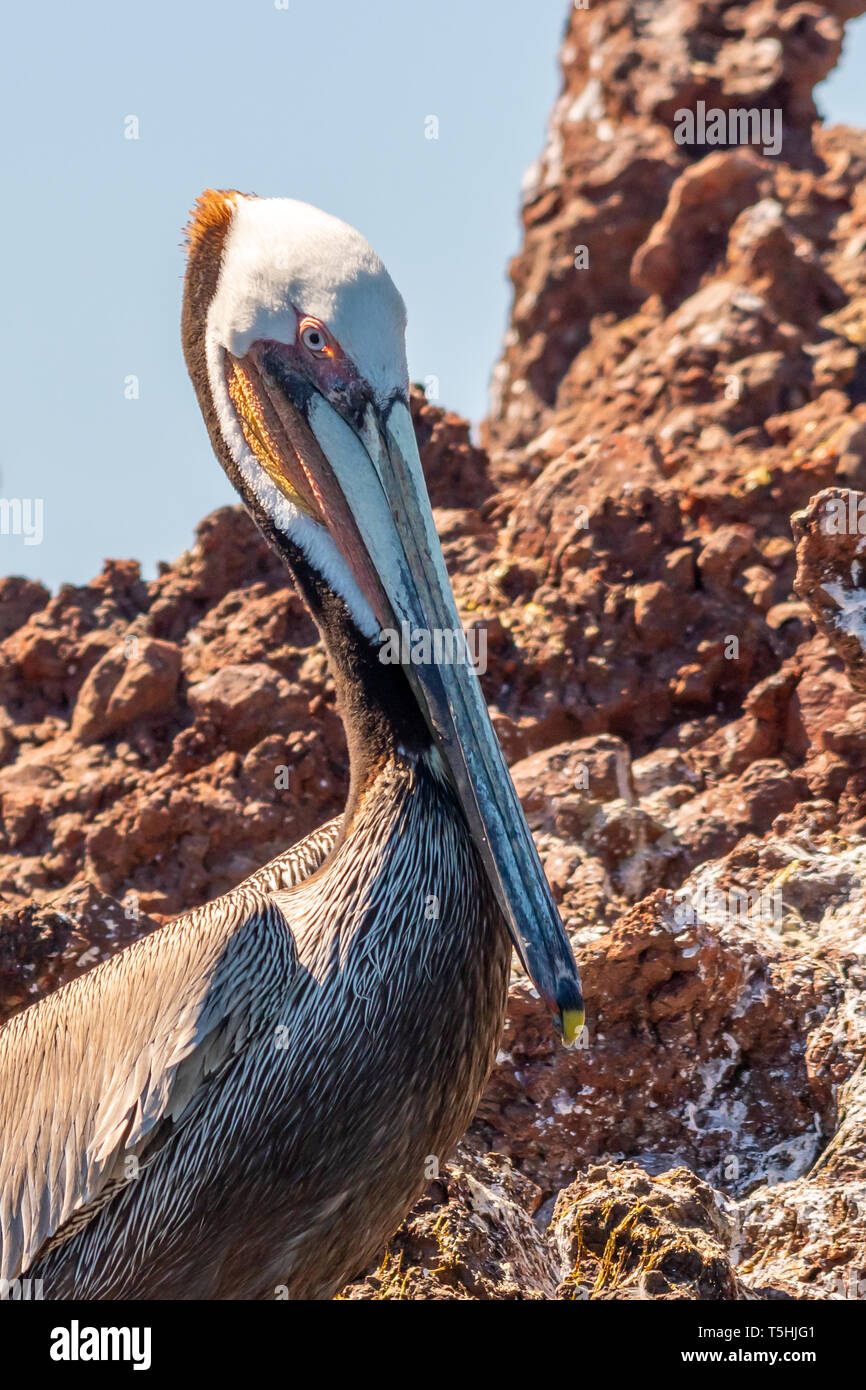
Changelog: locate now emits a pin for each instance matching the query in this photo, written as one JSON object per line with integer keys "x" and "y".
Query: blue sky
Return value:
{"x": 325, "y": 102}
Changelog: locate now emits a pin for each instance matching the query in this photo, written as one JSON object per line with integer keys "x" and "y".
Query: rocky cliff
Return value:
{"x": 661, "y": 538}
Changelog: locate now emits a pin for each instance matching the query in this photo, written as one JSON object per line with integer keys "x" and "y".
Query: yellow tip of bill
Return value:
{"x": 572, "y": 1025}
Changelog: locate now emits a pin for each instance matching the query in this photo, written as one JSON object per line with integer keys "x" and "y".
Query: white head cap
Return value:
{"x": 280, "y": 255}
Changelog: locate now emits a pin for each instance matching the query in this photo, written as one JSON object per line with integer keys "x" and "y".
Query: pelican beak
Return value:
{"x": 362, "y": 473}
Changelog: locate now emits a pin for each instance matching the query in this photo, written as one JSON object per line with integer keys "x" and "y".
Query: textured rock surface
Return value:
{"x": 471, "y": 1236}
{"x": 622, "y": 1234}
{"x": 677, "y": 678}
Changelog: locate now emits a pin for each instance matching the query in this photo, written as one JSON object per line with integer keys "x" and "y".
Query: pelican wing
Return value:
{"x": 298, "y": 862}
{"x": 108, "y": 1065}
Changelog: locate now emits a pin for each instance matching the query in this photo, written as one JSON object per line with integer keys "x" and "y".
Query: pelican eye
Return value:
{"x": 315, "y": 341}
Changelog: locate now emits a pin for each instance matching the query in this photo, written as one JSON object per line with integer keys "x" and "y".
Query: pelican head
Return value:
{"x": 294, "y": 335}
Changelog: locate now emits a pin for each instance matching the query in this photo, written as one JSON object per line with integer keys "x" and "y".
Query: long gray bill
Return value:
{"x": 450, "y": 696}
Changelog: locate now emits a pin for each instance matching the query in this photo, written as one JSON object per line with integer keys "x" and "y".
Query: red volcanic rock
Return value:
{"x": 703, "y": 203}
{"x": 767, "y": 253}
{"x": 613, "y": 179}
{"x": 722, "y": 556}
{"x": 831, "y": 554}
{"x": 134, "y": 680}
{"x": 244, "y": 703}
{"x": 19, "y": 598}
{"x": 554, "y": 783}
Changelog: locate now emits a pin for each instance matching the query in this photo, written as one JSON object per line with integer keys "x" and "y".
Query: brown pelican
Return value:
{"x": 245, "y": 1103}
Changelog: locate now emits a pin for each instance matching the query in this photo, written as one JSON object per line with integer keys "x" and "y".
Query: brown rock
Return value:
{"x": 831, "y": 541}
{"x": 571, "y": 779}
{"x": 703, "y": 203}
{"x": 471, "y": 1236}
{"x": 242, "y": 702}
{"x": 622, "y": 1234}
{"x": 19, "y": 599}
{"x": 135, "y": 680}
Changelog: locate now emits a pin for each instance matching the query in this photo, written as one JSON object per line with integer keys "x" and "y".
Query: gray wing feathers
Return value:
{"x": 87, "y": 1073}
